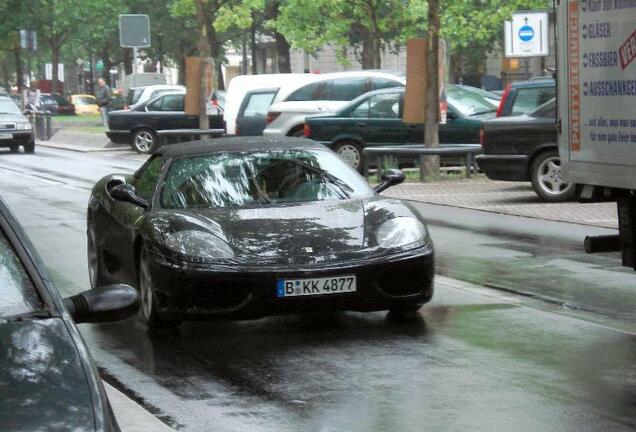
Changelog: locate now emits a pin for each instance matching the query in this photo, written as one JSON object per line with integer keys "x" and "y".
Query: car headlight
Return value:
{"x": 23, "y": 126}
{"x": 197, "y": 244}
{"x": 401, "y": 232}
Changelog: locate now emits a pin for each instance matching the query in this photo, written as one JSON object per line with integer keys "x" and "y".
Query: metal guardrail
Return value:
{"x": 418, "y": 151}
{"x": 187, "y": 134}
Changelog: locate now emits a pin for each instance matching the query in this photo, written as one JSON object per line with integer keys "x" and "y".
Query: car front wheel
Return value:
{"x": 95, "y": 270}
{"x": 144, "y": 141}
{"x": 29, "y": 147}
{"x": 546, "y": 178}
{"x": 351, "y": 153}
{"x": 148, "y": 310}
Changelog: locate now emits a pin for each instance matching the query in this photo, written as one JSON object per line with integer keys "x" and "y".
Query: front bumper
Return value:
{"x": 18, "y": 138}
{"x": 504, "y": 167}
{"x": 119, "y": 136}
{"x": 401, "y": 280}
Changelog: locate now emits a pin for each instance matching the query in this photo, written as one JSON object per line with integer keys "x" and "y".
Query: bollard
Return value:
{"x": 39, "y": 126}
{"x": 47, "y": 126}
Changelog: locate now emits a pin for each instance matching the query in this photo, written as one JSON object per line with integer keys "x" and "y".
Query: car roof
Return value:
{"x": 158, "y": 87}
{"x": 240, "y": 144}
{"x": 537, "y": 82}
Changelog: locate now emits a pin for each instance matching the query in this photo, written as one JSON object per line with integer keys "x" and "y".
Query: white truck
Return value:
{"x": 597, "y": 110}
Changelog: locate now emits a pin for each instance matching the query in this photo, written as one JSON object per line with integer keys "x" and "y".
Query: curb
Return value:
{"x": 130, "y": 415}
{"x": 82, "y": 149}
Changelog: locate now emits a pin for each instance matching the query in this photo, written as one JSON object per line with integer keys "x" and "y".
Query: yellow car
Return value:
{"x": 85, "y": 104}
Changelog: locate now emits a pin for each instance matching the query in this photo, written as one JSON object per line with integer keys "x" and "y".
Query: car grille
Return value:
{"x": 220, "y": 295}
{"x": 7, "y": 125}
{"x": 409, "y": 281}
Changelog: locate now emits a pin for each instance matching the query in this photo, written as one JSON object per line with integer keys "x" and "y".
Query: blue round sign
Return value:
{"x": 526, "y": 33}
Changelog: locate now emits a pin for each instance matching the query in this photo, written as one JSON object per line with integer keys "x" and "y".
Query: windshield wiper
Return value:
{"x": 27, "y": 316}
{"x": 345, "y": 189}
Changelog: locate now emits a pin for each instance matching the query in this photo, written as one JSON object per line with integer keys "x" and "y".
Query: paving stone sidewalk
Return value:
{"x": 513, "y": 198}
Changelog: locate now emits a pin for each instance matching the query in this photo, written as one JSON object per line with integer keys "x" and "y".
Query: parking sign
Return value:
{"x": 527, "y": 35}
{"x": 134, "y": 31}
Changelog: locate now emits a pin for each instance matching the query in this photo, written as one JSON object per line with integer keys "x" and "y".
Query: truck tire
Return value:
{"x": 547, "y": 182}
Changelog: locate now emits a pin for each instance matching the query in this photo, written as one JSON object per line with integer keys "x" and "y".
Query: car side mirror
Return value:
{"x": 450, "y": 115}
{"x": 390, "y": 178}
{"x": 126, "y": 193}
{"x": 107, "y": 304}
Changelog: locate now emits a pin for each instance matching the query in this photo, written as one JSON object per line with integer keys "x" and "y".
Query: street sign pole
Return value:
{"x": 135, "y": 54}
{"x": 134, "y": 32}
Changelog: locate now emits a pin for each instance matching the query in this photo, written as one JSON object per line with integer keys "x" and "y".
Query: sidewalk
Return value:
{"x": 477, "y": 193}
{"x": 512, "y": 198}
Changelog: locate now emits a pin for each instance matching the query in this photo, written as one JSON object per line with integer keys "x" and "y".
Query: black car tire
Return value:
{"x": 95, "y": 261}
{"x": 29, "y": 147}
{"x": 144, "y": 141}
{"x": 14, "y": 148}
{"x": 545, "y": 173}
{"x": 351, "y": 153}
{"x": 148, "y": 310}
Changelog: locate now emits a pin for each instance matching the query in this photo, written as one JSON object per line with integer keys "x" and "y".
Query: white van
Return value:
{"x": 242, "y": 84}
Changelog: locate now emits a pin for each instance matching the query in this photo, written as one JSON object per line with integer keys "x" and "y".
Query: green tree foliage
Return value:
{"x": 366, "y": 25}
{"x": 372, "y": 25}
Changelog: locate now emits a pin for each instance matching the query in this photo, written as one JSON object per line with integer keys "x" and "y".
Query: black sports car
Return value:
{"x": 248, "y": 227}
{"x": 48, "y": 380}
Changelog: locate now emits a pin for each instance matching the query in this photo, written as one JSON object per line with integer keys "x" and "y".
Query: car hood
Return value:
{"x": 293, "y": 233}
{"x": 12, "y": 118}
{"x": 42, "y": 382}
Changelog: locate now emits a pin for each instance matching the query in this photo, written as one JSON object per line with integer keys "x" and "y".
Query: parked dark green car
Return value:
{"x": 375, "y": 119}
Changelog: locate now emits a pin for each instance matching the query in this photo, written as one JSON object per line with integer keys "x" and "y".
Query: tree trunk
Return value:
{"x": 371, "y": 47}
{"x": 18, "y": 71}
{"x": 431, "y": 128}
{"x": 128, "y": 62}
{"x": 282, "y": 53}
{"x": 55, "y": 60}
{"x": 253, "y": 47}
{"x": 204, "y": 52}
{"x": 182, "y": 68}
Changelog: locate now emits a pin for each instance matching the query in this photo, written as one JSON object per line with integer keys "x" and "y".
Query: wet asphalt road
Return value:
{"x": 553, "y": 348}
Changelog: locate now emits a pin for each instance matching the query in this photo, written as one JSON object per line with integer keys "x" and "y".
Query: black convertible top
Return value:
{"x": 232, "y": 144}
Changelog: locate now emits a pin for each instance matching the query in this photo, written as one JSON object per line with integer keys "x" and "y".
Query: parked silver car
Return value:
{"x": 331, "y": 92}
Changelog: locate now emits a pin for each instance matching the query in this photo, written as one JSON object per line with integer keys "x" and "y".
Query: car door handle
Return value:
{"x": 361, "y": 124}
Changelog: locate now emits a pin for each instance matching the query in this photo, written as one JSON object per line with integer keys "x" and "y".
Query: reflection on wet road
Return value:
{"x": 471, "y": 362}
{"x": 477, "y": 359}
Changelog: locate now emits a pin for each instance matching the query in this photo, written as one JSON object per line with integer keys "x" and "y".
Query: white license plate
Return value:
{"x": 315, "y": 286}
{"x": 6, "y": 135}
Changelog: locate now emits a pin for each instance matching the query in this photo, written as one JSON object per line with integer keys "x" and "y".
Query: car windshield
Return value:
{"x": 84, "y": 100}
{"x": 7, "y": 106}
{"x": 469, "y": 103}
{"x": 246, "y": 179}
{"x": 17, "y": 292}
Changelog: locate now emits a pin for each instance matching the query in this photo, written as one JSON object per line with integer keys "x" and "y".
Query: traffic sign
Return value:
{"x": 134, "y": 31}
{"x": 527, "y": 35}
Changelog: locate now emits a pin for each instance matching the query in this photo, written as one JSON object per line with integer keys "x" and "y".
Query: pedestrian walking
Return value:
{"x": 103, "y": 95}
